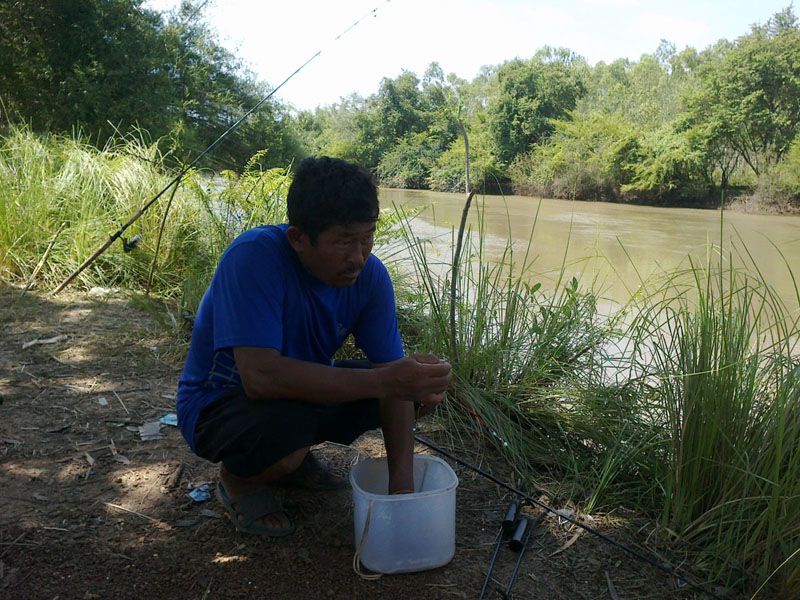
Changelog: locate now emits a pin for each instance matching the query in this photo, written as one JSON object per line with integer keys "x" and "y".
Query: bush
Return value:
{"x": 409, "y": 163}
{"x": 589, "y": 157}
{"x": 486, "y": 172}
{"x": 779, "y": 188}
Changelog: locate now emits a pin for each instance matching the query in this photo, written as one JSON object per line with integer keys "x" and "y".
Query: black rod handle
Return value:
{"x": 511, "y": 516}
{"x": 516, "y": 540}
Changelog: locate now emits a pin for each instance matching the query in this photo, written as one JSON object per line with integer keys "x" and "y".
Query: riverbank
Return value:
{"x": 746, "y": 200}
{"x": 687, "y": 430}
{"x": 90, "y": 510}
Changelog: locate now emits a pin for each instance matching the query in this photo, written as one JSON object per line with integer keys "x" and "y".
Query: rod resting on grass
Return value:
{"x": 175, "y": 181}
{"x": 550, "y": 509}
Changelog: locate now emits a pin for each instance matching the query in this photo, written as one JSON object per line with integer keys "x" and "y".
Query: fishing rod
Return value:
{"x": 666, "y": 569}
{"x": 174, "y": 182}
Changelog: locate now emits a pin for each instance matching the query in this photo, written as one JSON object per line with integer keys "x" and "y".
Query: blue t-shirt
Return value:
{"x": 262, "y": 296}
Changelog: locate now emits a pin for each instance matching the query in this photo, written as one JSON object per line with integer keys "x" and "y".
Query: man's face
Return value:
{"x": 339, "y": 254}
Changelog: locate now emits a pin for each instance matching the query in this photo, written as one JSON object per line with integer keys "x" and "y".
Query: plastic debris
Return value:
{"x": 150, "y": 431}
{"x": 52, "y": 340}
{"x": 170, "y": 419}
{"x": 102, "y": 401}
{"x": 98, "y": 291}
{"x": 200, "y": 494}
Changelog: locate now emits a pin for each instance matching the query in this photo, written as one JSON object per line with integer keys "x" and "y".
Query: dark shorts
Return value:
{"x": 248, "y": 436}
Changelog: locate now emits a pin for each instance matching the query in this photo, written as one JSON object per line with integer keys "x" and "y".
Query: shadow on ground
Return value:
{"x": 89, "y": 510}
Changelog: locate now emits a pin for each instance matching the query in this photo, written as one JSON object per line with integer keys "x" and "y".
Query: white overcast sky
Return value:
{"x": 275, "y": 37}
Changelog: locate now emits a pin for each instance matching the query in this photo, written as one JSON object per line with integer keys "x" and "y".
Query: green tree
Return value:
{"x": 87, "y": 63}
{"x": 448, "y": 174}
{"x": 531, "y": 93}
{"x": 588, "y": 157}
{"x": 408, "y": 164}
{"x": 111, "y": 66}
{"x": 211, "y": 91}
{"x": 442, "y": 103}
{"x": 400, "y": 110}
{"x": 749, "y": 98}
{"x": 670, "y": 168}
{"x": 647, "y": 92}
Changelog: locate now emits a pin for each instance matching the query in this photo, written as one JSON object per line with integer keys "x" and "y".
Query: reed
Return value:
{"x": 719, "y": 358}
{"x": 63, "y": 185}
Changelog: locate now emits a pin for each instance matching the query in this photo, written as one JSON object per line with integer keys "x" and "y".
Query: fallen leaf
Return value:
{"x": 568, "y": 544}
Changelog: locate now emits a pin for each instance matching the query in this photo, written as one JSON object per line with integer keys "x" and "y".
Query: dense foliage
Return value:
{"x": 109, "y": 66}
{"x": 673, "y": 127}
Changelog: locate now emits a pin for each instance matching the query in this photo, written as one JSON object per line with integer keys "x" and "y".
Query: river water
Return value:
{"x": 614, "y": 245}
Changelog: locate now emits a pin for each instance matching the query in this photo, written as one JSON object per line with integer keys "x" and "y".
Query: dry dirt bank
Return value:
{"x": 89, "y": 510}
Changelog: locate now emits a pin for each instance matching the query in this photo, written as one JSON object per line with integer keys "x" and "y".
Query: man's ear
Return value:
{"x": 297, "y": 238}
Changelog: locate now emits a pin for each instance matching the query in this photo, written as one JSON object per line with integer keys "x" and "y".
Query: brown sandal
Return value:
{"x": 245, "y": 511}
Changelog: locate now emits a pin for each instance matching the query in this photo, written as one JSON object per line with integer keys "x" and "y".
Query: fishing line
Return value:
{"x": 199, "y": 157}
{"x": 550, "y": 509}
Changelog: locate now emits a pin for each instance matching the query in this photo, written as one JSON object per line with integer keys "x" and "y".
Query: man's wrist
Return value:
{"x": 379, "y": 385}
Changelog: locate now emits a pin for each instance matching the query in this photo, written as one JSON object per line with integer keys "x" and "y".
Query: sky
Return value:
{"x": 275, "y": 37}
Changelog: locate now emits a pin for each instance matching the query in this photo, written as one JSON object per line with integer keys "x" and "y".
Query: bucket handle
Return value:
{"x": 362, "y": 543}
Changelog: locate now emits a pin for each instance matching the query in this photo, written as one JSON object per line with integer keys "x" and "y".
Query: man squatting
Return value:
{"x": 259, "y": 387}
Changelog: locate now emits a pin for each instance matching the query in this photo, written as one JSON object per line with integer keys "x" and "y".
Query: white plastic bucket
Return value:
{"x": 404, "y": 532}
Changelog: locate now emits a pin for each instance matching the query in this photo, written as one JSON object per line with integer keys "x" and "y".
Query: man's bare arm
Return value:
{"x": 266, "y": 374}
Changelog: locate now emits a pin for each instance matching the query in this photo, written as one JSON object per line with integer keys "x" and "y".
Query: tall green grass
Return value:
{"x": 721, "y": 364}
{"x": 529, "y": 370}
{"x": 685, "y": 407}
{"x": 54, "y": 183}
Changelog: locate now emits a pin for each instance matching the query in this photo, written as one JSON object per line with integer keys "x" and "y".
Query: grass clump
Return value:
{"x": 720, "y": 363}
{"x": 687, "y": 411}
{"x": 64, "y": 189}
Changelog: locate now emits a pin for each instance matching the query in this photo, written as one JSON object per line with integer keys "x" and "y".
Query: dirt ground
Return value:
{"x": 89, "y": 510}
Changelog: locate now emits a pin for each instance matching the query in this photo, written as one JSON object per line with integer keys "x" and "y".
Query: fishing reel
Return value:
{"x": 127, "y": 246}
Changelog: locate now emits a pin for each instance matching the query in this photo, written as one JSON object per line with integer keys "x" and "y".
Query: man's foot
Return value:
{"x": 258, "y": 512}
{"x": 313, "y": 474}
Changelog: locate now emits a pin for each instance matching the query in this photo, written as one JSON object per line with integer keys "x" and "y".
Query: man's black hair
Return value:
{"x": 330, "y": 191}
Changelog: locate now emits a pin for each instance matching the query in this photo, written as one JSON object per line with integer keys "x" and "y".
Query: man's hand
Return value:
{"x": 420, "y": 378}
